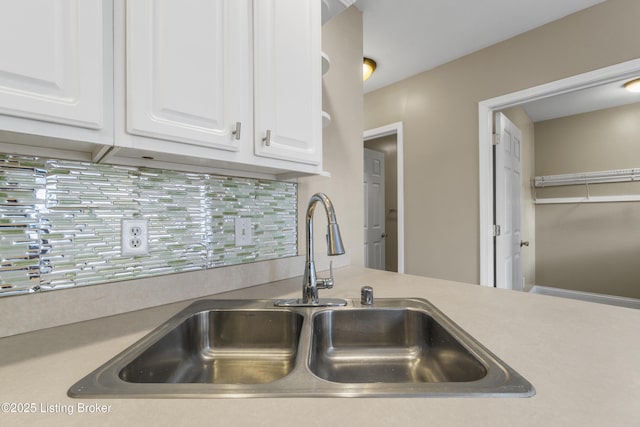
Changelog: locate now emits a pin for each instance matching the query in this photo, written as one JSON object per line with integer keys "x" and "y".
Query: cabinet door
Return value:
{"x": 288, "y": 81}
{"x": 188, "y": 70}
{"x": 51, "y": 65}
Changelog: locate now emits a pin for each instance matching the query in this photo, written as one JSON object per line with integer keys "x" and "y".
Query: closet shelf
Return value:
{"x": 326, "y": 119}
{"x": 587, "y": 178}
{"x": 326, "y": 63}
{"x": 593, "y": 199}
{"x": 331, "y": 8}
{"x": 617, "y": 175}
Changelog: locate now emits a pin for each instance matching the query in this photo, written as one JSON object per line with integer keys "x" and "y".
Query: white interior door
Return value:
{"x": 374, "y": 225}
{"x": 508, "y": 182}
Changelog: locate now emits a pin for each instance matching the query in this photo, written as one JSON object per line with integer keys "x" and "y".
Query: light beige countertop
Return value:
{"x": 583, "y": 359}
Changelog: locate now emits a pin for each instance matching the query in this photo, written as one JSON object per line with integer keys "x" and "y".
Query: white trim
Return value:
{"x": 395, "y": 129}
{"x": 486, "y": 194}
{"x": 486, "y": 109}
{"x": 587, "y": 296}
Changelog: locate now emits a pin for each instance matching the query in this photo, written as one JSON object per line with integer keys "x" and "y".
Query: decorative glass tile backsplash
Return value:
{"x": 60, "y": 222}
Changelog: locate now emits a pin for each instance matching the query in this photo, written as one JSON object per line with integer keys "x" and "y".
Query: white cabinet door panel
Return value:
{"x": 288, "y": 91}
{"x": 188, "y": 70}
{"x": 51, "y": 66}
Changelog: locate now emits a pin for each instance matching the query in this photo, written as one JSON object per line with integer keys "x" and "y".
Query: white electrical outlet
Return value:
{"x": 243, "y": 231}
{"x": 135, "y": 237}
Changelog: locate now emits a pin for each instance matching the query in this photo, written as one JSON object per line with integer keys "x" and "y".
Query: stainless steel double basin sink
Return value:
{"x": 250, "y": 348}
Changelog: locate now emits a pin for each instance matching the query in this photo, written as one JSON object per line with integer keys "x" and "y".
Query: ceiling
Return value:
{"x": 407, "y": 37}
{"x": 581, "y": 101}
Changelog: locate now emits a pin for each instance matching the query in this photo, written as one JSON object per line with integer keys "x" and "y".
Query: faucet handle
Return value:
{"x": 328, "y": 282}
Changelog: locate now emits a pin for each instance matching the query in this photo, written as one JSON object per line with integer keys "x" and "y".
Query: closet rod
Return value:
{"x": 618, "y": 175}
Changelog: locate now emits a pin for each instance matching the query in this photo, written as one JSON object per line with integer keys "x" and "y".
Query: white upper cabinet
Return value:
{"x": 288, "y": 80}
{"x": 187, "y": 71}
{"x": 234, "y": 84}
{"x": 56, "y": 69}
{"x": 165, "y": 83}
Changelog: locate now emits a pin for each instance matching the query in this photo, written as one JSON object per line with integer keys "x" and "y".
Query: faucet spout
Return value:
{"x": 311, "y": 283}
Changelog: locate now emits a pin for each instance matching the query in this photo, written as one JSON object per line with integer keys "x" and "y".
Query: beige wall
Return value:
{"x": 389, "y": 146}
{"x": 591, "y": 247}
{"x": 342, "y": 143}
{"x": 520, "y": 118}
{"x": 439, "y": 111}
{"x": 596, "y": 141}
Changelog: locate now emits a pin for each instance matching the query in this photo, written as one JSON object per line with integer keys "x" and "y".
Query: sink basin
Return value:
{"x": 221, "y": 347}
{"x": 388, "y": 346}
{"x": 250, "y": 348}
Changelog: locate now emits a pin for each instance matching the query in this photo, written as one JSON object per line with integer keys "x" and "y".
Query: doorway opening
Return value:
{"x": 486, "y": 110}
{"x": 388, "y": 141}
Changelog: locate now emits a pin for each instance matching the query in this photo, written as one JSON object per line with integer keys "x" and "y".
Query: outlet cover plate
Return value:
{"x": 135, "y": 237}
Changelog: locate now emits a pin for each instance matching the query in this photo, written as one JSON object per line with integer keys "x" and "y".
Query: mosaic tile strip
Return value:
{"x": 22, "y": 192}
{"x": 60, "y": 222}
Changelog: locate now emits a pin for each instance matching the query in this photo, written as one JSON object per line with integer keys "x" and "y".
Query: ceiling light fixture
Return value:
{"x": 633, "y": 85}
{"x": 368, "y": 67}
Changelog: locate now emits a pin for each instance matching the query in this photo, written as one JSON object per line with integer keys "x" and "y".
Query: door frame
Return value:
{"x": 394, "y": 129}
{"x": 486, "y": 110}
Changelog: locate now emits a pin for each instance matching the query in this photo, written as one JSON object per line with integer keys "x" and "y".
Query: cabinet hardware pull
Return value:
{"x": 267, "y": 138}
{"x": 236, "y": 131}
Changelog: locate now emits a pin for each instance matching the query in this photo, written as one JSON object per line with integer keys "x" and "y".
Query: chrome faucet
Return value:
{"x": 310, "y": 282}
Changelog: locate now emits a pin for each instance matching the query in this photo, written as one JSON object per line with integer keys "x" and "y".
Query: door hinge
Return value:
{"x": 496, "y": 139}
{"x": 496, "y": 230}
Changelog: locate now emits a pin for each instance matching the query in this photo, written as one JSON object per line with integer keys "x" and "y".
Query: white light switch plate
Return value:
{"x": 243, "y": 231}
